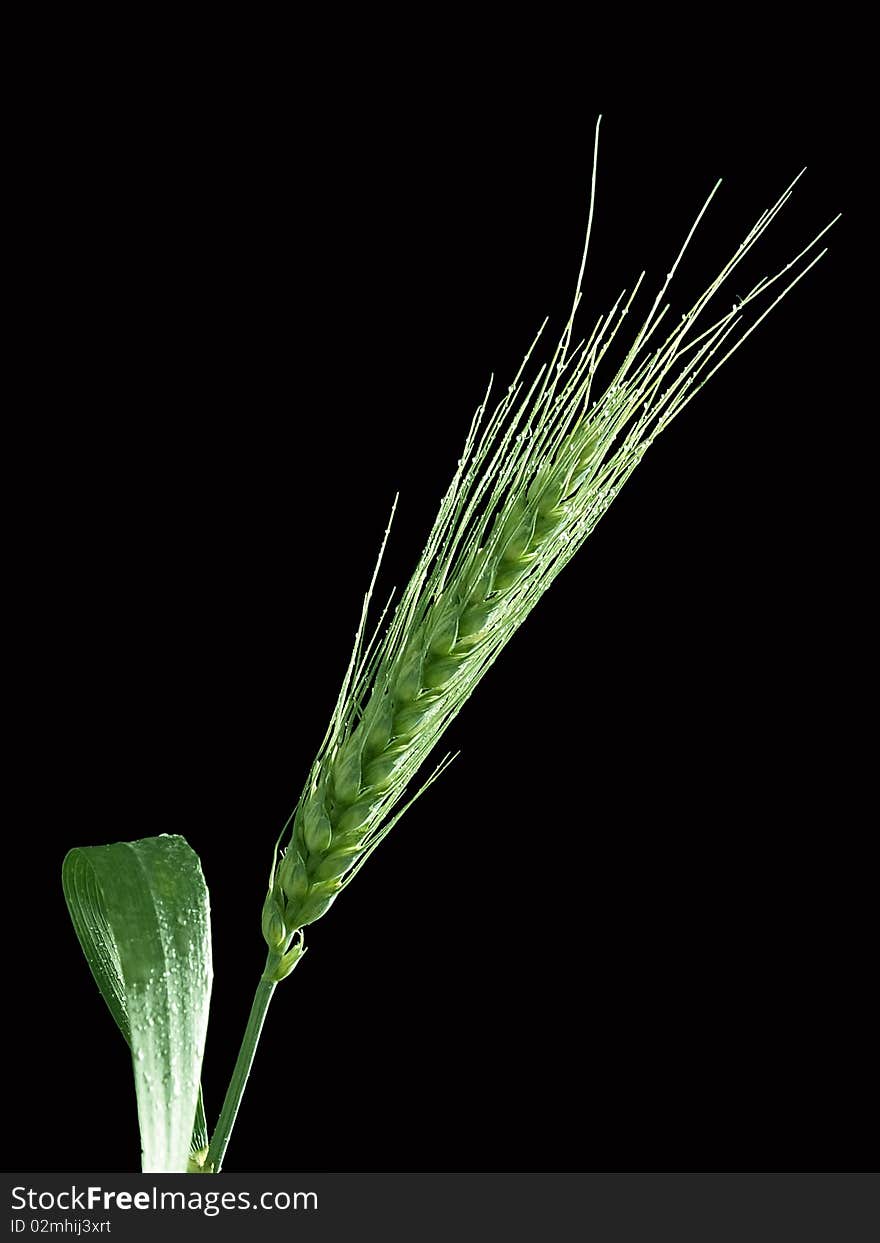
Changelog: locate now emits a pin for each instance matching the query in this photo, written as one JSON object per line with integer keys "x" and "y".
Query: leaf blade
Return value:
{"x": 141, "y": 913}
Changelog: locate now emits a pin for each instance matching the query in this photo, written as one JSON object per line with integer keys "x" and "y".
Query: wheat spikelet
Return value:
{"x": 536, "y": 475}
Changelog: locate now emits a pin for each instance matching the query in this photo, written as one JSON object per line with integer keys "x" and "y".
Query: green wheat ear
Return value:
{"x": 536, "y": 474}
{"x": 535, "y": 477}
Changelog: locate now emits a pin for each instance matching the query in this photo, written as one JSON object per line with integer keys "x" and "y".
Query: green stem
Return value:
{"x": 244, "y": 1061}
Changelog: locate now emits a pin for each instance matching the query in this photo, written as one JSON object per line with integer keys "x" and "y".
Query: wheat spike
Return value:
{"x": 536, "y": 475}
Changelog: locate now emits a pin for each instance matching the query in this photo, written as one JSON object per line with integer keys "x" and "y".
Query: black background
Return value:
{"x": 630, "y": 927}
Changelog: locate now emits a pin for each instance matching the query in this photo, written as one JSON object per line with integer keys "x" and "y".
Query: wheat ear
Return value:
{"x": 535, "y": 477}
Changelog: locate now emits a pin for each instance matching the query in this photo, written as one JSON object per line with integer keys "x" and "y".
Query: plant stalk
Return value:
{"x": 242, "y": 1068}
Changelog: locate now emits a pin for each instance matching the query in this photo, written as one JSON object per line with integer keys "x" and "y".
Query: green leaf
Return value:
{"x": 140, "y": 910}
